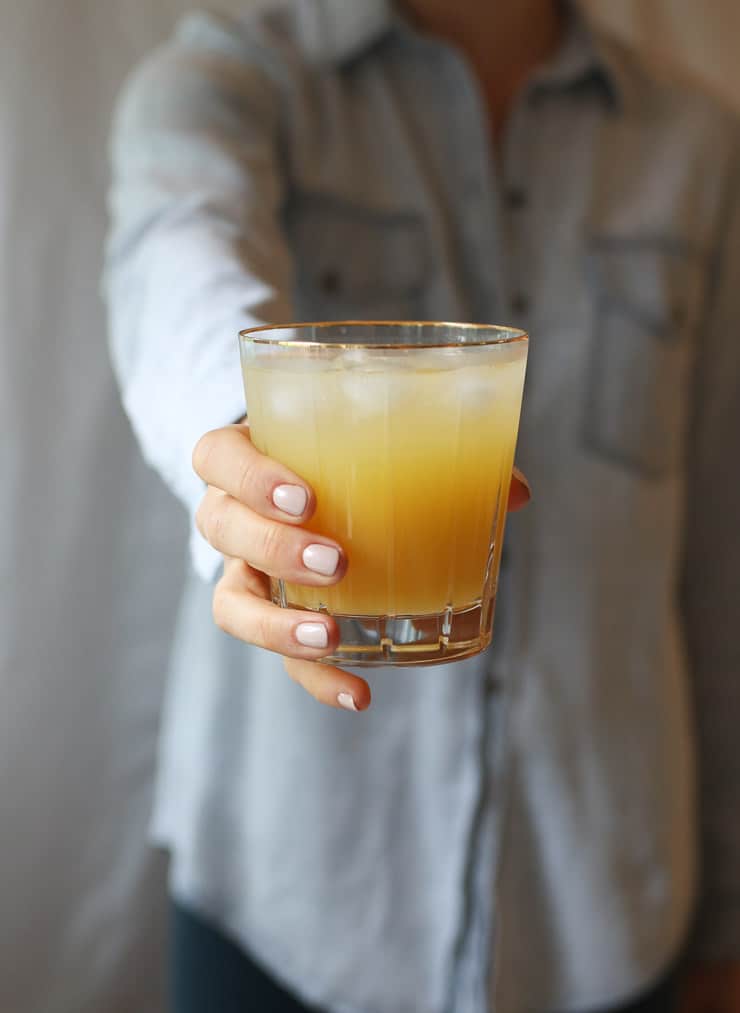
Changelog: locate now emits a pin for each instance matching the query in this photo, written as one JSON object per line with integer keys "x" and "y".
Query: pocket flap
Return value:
{"x": 356, "y": 252}
{"x": 658, "y": 282}
{"x": 647, "y": 297}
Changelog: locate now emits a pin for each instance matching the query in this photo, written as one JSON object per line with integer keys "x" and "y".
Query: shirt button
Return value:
{"x": 330, "y": 282}
{"x": 491, "y": 685}
{"x": 516, "y": 198}
{"x": 520, "y": 304}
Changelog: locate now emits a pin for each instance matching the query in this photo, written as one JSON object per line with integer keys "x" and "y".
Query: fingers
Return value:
{"x": 520, "y": 492}
{"x": 329, "y": 685}
{"x": 251, "y": 513}
{"x": 227, "y": 459}
{"x": 240, "y": 609}
{"x": 279, "y": 550}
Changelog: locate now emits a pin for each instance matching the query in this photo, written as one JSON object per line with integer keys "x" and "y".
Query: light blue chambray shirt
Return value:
{"x": 324, "y": 161}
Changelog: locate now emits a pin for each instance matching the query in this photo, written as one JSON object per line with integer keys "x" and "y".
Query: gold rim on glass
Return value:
{"x": 504, "y": 335}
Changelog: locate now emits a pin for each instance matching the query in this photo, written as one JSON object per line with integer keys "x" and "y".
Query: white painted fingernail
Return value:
{"x": 347, "y": 701}
{"x": 312, "y": 635}
{"x": 521, "y": 477}
{"x": 291, "y": 499}
{"x": 323, "y": 559}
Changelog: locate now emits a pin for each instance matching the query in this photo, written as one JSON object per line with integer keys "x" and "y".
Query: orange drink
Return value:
{"x": 407, "y": 434}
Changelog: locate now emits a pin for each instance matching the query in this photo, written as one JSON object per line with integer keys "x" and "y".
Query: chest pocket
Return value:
{"x": 354, "y": 262}
{"x": 647, "y": 296}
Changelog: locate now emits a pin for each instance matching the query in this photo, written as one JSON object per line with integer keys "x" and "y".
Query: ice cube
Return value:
{"x": 366, "y": 392}
{"x": 479, "y": 389}
{"x": 476, "y": 388}
{"x": 288, "y": 398}
{"x": 355, "y": 358}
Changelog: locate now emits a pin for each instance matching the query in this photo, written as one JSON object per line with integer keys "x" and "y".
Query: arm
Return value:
{"x": 196, "y": 254}
{"x": 196, "y": 250}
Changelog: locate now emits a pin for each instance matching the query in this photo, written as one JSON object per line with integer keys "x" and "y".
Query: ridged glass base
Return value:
{"x": 451, "y": 635}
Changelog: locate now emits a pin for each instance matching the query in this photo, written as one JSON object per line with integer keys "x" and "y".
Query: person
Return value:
{"x": 514, "y": 832}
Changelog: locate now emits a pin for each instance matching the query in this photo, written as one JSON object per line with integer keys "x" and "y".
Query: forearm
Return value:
{"x": 196, "y": 251}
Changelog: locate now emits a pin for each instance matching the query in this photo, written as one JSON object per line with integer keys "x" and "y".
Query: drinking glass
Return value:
{"x": 406, "y": 432}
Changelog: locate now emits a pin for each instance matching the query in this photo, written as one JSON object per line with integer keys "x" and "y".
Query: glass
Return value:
{"x": 407, "y": 433}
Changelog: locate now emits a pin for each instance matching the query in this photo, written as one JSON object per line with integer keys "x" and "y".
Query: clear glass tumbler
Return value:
{"x": 407, "y": 433}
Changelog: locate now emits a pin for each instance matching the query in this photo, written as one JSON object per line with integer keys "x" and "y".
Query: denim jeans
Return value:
{"x": 210, "y": 974}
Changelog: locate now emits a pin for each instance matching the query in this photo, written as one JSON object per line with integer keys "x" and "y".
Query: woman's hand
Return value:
{"x": 254, "y": 513}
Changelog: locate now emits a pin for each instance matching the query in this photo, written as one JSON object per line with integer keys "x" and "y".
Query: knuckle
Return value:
{"x": 246, "y": 479}
{"x": 214, "y": 522}
{"x": 272, "y": 545}
{"x": 264, "y": 629}
{"x": 293, "y": 670}
{"x": 202, "y": 452}
{"x": 203, "y": 512}
{"x": 220, "y": 607}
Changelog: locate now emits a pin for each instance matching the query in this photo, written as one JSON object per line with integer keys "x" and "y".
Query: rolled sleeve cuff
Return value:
{"x": 217, "y": 401}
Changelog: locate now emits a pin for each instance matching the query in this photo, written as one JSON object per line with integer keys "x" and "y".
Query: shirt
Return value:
{"x": 324, "y": 160}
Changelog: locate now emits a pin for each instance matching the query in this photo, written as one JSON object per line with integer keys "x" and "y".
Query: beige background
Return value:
{"x": 85, "y": 607}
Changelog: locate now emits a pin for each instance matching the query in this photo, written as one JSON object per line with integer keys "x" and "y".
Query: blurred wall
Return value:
{"x": 91, "y": 546}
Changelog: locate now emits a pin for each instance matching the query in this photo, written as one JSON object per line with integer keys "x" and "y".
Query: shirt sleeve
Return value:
{"x": 196, "y": 251}
{"x": 712, "y": 592}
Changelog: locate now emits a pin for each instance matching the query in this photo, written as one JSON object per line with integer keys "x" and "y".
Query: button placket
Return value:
{"x": 480, "y": 214}
{"x": 515, "y": 203}
{"x": 516, "y": 198}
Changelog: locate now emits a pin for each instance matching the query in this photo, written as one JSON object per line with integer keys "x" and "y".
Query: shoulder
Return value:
{"x": 273, "y": 34}
{"x": 661, "y": 90}
{"x": 250, "y": 59}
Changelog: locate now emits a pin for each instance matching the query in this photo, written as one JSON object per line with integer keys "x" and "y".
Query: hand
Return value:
{"x": 711, "y": 988}
{"x": 253, "y": 513}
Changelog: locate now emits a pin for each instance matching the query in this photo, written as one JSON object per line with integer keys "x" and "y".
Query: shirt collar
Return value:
{"x": 335, "y": 31}
{"x": 587, "y": 55}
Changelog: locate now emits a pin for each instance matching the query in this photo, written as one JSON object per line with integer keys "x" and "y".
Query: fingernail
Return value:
{"x": 347, "y": 701}
{"x": 291, "y": 499}
{"x": 521, "y": 477}
{"x": 312, "y": 635}
{"x": 323, "y": 559}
